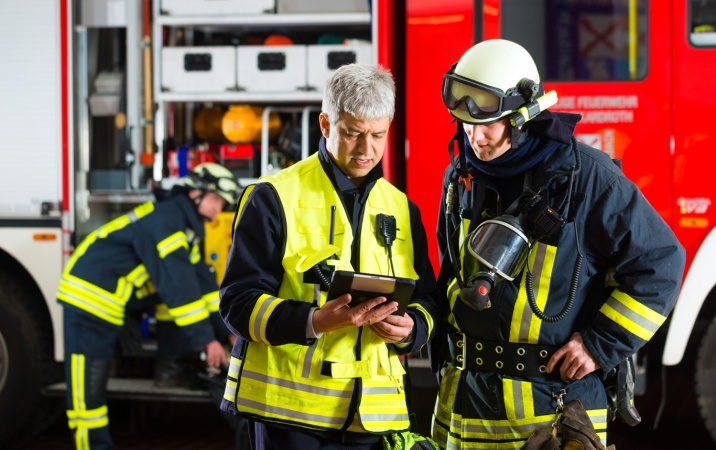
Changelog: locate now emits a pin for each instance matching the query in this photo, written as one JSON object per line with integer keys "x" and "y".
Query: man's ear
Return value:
{"x": 325, "y": 124}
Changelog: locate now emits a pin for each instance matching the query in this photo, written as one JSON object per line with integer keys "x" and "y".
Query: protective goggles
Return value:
{"x": 478, "y": 100}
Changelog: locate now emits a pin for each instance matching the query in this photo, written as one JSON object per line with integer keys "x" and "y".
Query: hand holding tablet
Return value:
{"x": 364, "y": 286}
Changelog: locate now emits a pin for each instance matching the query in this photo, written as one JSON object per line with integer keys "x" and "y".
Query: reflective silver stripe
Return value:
{"x": 174, "y": 242}
{"x": 89, "y": 307}
{"x": 303, "y": 387}
{"x": 493, "y": 428}
{"x": 132, "y": 216}
{"x": 527, "y": 315}
{"x": 632, "y": 315}
{"x": 231, "y": 379}
{"x": 92, "y": 292}
{"x": 260, "y": 316}
{"x": 291, "y": 413}
{"x": 190, "y": 314}
{"x": 212, "y": 301}
{"x": 517, "y": 400}
{"x": 306, "y": 371}
{"x": 380, "y": 390}
{"x": 383, "y": 417}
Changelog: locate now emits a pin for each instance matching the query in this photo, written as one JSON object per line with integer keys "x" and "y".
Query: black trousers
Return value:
{"x": 264, "y": 436}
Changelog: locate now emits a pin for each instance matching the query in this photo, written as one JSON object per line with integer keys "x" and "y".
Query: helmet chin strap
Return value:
{"x": 517, "y": 137}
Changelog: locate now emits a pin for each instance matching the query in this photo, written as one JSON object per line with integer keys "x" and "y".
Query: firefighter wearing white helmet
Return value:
{"x": 212, "y": 177}
{"x": 526, "y": 333}
{"x": 146, "y": 259}
{"x": 491, "y": 80}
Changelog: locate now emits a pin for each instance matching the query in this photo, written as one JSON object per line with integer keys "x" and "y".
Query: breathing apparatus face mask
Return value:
{"x": 500, "y": 247}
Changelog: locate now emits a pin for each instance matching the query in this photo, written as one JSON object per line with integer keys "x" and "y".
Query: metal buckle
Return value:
{"x": 462, "y": 358}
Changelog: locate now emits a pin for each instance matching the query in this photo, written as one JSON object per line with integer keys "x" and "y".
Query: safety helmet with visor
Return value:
{"x": 212, "y": 177}
{"x": 491, "y": 80}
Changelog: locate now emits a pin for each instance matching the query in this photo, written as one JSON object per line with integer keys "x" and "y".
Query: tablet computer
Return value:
{"x": 364, "y": 286}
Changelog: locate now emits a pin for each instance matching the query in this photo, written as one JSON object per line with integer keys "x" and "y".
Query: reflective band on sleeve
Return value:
{"x": 260, "y": 315}
{"x": 195, "y": 255}
{"x": 174, "y": 242}
{"x": 632, "y": 315}
{"x": 190, "y": 313}
{"x": 212, "y": 301}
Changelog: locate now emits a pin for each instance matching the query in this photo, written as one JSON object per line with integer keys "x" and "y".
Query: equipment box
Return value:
{"x": 216, "y": 7}
{"x": 198, "y": 69}
{"x": 323, "y": 60}
{"x": 272, "y": 68}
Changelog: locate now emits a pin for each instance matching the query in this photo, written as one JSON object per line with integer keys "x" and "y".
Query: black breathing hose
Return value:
{"x": 449, "y": 201}
{"x": 572, "y": 289}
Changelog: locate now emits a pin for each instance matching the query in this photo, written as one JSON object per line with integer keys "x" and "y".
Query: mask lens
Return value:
{"x": 500, "y": 245}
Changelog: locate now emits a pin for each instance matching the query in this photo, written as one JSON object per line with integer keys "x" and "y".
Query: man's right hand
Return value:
{"x": 336, "y": 313}
{"x": 215, "y": 354}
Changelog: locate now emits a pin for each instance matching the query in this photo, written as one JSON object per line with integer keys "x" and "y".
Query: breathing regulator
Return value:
{"x": 493, "y": 80}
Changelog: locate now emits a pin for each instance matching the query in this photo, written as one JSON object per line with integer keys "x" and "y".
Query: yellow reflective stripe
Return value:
{"x": 79, "y": 418}
{"x": 599, "y": 421}
{"x": 240, "y": 207}
{"x": 260, "y": 315}
{"x": 145, "y": 291}
{"x": 428, "y": 317}
{"x": 195, "y": 255}
{"x": 453, "y": 293}
{"x": 212, "y": 301}
{"x": 190, "y": 313}
{"x": 382, "y": 405}
{"x": 161, "y": 313}
{"x": 267, "y": 396}
{"x": 106, "y": 229}
{"x": 174, "y": 242}
{"x": 77, "y": 381}
{"x": 519, "y": 403}
{"x": 632, "y": 315}
{"x": 231, "y": 377}
{"x": 138, "y": 276}
{"x": 525, "y": 325}
{"x": 92, "y": 299}
{"x": 92, "y": 418}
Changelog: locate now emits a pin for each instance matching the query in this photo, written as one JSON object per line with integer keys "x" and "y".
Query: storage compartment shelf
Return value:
{"x": 269, "y": 20}
{"x": 242, "y": 97}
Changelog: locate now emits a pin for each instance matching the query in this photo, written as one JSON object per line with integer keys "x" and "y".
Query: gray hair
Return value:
{"x": 366, "y": 92}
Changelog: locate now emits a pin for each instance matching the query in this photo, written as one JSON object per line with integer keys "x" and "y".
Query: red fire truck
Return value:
{"x": 88, "y": 123}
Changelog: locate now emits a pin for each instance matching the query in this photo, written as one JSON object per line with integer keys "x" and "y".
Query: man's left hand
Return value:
{"x": 393, "y": 328}
{"x": 578, "y": 362}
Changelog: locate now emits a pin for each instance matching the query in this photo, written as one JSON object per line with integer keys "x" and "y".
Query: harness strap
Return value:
{"x": 507, "y": 358}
